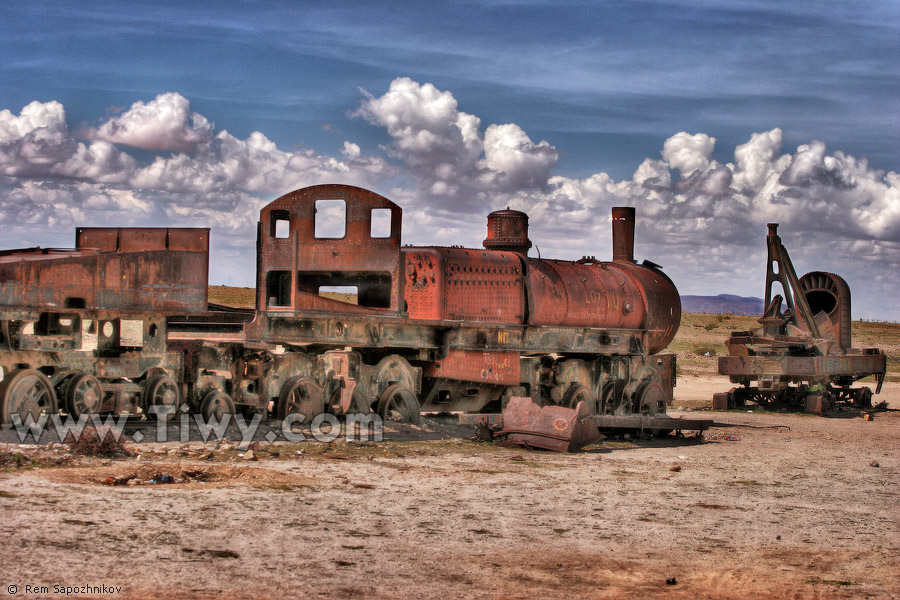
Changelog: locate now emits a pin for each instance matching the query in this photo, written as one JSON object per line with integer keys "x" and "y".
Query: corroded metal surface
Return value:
{"x": 464, "y": 284}
{"x": 829, "y": 294}
{"x": 617, "y": 294}
{"x": 811, "y": 367}
{"x": 320, "y": 239}
{"x": 801, "y": 357}
{"x": 550, "y": 427}
{"x": 128, "y": 269}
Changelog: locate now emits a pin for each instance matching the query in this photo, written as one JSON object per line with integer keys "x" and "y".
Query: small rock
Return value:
{"x": 777, "y": 537}
{"x": 250, "y": 455}
{"x": 671, "y": 581}
{"x": 869, "y": 417}
{"x": 675, "y": 468}
{"x": 874, "y": 463}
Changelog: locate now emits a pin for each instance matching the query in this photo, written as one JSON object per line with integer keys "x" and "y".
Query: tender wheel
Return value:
{"x": 216, "y": 405}
{"x": 161, "y": 390}
{"x": 578, "y": 393}
{"x": 301, "y": 395}
{"x": 27, "y": 392}
{"x": 84, "y": 395}
{"x": 398, "y": 403}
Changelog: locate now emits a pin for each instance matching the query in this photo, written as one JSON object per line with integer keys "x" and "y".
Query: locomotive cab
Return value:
{"x": 329, "y": 248}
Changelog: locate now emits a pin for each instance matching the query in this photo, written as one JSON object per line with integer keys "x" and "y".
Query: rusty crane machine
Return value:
{"x": 801, "y": 357}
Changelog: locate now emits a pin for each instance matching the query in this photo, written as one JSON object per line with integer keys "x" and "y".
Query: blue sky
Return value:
{"x": 560, "y": 109}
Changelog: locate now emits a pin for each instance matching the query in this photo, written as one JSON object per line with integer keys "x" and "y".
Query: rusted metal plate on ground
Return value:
{"x": 550, "y": 427}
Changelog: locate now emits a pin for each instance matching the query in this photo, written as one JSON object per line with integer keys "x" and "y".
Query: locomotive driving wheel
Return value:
{"x": 27, "y": 392}
{"x": 161, "y": 391}
{"x": 216, "y": 405}
{"x": 359, "y": 404}
{"x": 398, "y": 403}
{"x": 651, "y": 401}
{"x": 83, "y": 395}
{"x": 608, "y": 401}
{"x": 301, "y": 395}
{"x": 579, "y": 393}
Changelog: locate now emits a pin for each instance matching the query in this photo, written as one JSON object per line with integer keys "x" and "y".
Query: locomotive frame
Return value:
{"x": 432, "y": 329}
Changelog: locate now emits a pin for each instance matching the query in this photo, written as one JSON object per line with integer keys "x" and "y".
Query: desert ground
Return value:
{"x": 774, "y": 505}
{"x": 798, "y": 506}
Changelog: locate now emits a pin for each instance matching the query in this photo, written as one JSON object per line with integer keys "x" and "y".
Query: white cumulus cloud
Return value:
{"x": 164, "y": 123}
{"x": 703, "y": 220}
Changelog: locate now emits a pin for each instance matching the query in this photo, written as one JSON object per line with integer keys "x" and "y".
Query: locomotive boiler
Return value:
{"x": 346, "y": 320}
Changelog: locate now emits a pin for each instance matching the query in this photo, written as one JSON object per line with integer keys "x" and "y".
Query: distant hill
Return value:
{"x": 721, "y": 304}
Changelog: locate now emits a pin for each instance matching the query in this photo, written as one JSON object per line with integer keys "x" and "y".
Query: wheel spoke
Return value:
{"x": 398, "y": 403}
{"x": 301, "y": 395}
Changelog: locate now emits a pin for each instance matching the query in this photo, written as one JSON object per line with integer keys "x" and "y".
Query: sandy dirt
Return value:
{"x": 773, "y": 512}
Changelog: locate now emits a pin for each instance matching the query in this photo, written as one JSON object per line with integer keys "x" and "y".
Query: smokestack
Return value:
{"x": 623, "y": 233}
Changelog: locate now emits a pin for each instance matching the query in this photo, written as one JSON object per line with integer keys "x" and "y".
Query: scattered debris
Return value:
{"x": 92, "y": 442}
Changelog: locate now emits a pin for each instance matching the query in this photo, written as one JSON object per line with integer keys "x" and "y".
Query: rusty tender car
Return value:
{"x": 346, "y": 320}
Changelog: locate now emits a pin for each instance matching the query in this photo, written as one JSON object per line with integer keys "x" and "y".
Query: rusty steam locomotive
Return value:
{"x": 122, "y": 323}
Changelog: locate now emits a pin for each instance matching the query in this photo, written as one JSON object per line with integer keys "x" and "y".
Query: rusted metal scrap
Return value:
{"x": 561, "y": 429}
{"x": 550, "y": 427}
{"x": 801, "y": 357}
